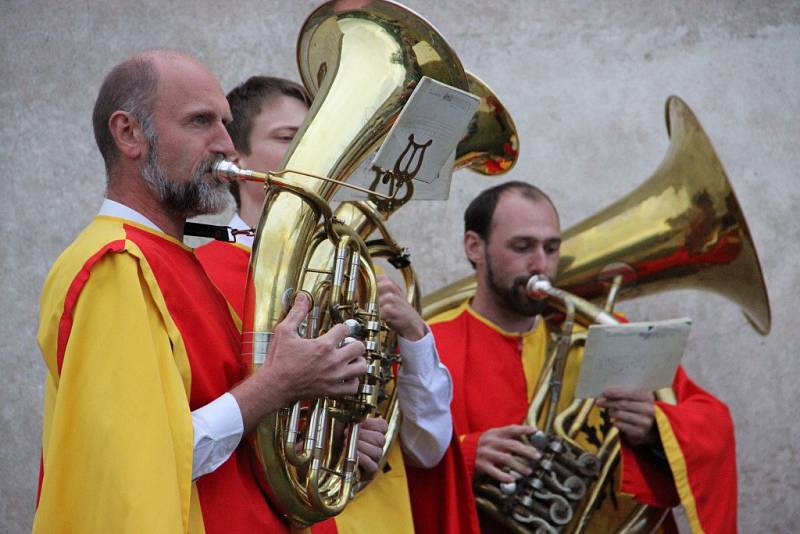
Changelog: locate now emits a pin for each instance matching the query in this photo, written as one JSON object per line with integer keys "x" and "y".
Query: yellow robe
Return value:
{"x": 126, "y": 337}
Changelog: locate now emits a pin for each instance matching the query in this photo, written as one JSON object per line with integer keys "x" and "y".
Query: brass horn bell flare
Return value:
{"x": 682, "y": 228}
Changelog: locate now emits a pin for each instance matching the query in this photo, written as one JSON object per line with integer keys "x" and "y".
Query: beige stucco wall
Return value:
{"x": 585, "y": 82}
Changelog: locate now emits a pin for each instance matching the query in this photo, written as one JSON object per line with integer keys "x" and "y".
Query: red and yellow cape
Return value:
{"x": 135, "y": 337}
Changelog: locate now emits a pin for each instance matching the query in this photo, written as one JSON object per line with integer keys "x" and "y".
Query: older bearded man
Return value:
{"x": 146, "y": 400}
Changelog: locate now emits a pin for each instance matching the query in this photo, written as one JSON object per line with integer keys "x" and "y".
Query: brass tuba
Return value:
{"x": 490, "y": 147}
{"x": 362, "y": 60}
{"x": 683, "y": 228}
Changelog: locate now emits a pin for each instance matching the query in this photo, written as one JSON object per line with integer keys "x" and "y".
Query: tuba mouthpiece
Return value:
{"x": 538, "y": 286}
{"x": 225, "y": 171}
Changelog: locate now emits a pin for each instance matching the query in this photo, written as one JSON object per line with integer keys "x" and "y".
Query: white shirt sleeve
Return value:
{"x": 424, "y": 390}
{"x": 218, "y": 429}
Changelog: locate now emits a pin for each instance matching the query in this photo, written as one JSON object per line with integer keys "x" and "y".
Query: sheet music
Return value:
{"x": 422, "y": 142}
{"x": 643, "y": 355}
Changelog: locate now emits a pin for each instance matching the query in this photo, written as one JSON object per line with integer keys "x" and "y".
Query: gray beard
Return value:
{"x": 515, "y": 298}
{"x": 185, "y": 199}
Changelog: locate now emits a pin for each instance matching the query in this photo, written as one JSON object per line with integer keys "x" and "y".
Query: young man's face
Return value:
{"x": 524, "y": 239}
{"x": 273, "y": 131}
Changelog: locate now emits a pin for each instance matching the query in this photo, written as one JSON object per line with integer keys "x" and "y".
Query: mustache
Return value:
{"x": 522, "y": 280}
{"x": 206, "y": 165}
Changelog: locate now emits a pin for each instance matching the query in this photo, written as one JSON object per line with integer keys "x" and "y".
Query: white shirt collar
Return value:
{"x": 113, "y": 208}
{"x": 238, "y": 223}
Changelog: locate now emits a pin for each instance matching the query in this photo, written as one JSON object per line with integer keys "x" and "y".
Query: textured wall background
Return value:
{"x": 585, "y": 82}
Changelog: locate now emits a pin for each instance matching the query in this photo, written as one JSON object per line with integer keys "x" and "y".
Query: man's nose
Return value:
{"x": 222, "y": 143}
{"x": 537, "y": 261}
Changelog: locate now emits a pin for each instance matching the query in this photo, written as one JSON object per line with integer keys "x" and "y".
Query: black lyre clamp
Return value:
{"x": 399, "y": 177}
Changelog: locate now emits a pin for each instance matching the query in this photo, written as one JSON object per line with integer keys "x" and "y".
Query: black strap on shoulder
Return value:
{"x": 220, "y": 233}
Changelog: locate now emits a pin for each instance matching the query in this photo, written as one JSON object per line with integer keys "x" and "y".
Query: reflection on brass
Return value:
{"x": 681, "y": 229}
{"x": 360, "y": 61}
{"x": 491, "y": 145}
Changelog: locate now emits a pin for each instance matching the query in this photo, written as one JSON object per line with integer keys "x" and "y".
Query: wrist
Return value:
{"x": 414, "y": 332}
{"x": 258, "y": 396}
{"x": 414, "y": 335}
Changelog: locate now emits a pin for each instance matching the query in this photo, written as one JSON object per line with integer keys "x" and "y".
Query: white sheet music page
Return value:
{"x": 642, "y": 355}
{"x": 421, "y": 144}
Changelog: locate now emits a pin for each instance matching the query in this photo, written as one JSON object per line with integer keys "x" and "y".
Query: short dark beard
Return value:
{"x": 184, "y": 199}
{"x": 514, "y": 298}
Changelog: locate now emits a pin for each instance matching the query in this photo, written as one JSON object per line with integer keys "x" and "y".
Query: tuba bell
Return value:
{"x": 491, "y": 145}
{"x": 682, "y": 228}
{"x": 362, "y": 61}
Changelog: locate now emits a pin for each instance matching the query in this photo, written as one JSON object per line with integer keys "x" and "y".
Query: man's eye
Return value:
{"x": 202, "y": 120}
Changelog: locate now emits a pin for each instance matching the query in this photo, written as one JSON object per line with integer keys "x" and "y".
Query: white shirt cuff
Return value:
{"x": 420, "y": 356}
{"x": 218, "y": 429}
{"x": 425, "y": 390}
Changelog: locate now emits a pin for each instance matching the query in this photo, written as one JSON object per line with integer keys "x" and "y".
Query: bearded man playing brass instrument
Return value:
{"x": 267, "y": 112}
{"x": 146, "y": 399}
{"x": 495, "y": 347}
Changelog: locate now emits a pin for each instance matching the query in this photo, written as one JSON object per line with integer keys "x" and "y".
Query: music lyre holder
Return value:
{"x": 398, "y": 178}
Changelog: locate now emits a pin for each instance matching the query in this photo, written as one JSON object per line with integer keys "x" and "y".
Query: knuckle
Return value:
{"x": 357, "y": 348}
{"x": 281, "y": 329}
{"x": 337, "y": 332}
{"x": 326, "y": 345}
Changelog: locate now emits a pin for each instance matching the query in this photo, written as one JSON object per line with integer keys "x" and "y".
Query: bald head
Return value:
{"x": 132, "y": 86}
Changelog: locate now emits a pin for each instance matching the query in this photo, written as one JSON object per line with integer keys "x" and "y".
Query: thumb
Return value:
{"x": 298, "y": 311}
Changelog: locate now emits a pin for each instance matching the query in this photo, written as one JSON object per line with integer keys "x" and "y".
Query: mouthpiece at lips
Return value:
{"x": 538, "y": 285}
{"x": 225, "y": 171}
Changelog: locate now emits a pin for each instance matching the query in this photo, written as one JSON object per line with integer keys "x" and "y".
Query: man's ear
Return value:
{"x": 128, "y": 135}
{"x": 474, "y": 247}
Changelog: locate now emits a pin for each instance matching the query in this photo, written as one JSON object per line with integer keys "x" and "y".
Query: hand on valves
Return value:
{"x": 299, "y": 368}
{"x": 501, "y": 453}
